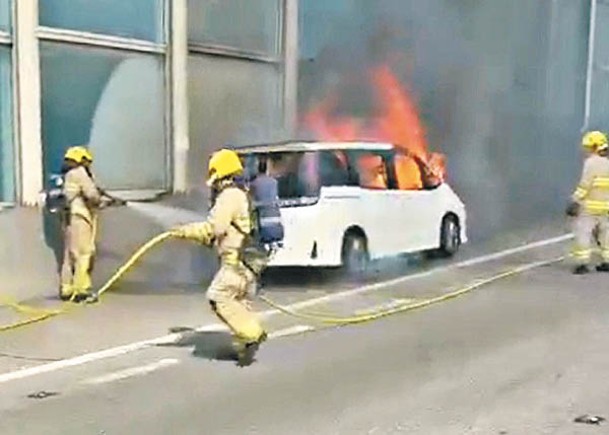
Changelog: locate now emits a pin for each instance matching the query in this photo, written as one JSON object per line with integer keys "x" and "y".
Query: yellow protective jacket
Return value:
{"x": 230, "y": 209}
{"x": 82, "y": 194}
{"x": 592, "y": 193}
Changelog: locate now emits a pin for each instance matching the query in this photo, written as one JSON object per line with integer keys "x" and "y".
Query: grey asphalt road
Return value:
{"x": 523, "y": 356}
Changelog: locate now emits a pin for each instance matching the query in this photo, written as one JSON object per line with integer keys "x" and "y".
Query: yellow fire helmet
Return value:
{"x": 222, "y": 164}
{"x": 595, "y": 141}
{"x": 78, "y": 154}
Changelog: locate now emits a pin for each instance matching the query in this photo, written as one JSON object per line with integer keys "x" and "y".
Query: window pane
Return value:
{"x": 296, "y": 173}
{"x": 370, "y": 168}
{"x": 231, "y": 102}
{"x": 333, "y": 168}
{"x": 5, "y": 15}
{"x": 112, "y": 100}
{"x": 408, "y": 173}
{"x": 244, "y": 24}
{"x": 140, "y": 19}
{"x": 7, "y": 157}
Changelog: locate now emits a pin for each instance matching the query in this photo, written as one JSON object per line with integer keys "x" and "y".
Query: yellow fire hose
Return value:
{"x": 407, "y": 306}
{"x": 39, "y": 314}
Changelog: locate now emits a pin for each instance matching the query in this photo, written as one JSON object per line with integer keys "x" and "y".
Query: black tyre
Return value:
{"x": 450, "y": 236}
{"x": 355, "y": 256}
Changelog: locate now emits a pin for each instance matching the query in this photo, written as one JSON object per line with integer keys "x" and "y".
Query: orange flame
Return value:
{"x": 397, "y": 122}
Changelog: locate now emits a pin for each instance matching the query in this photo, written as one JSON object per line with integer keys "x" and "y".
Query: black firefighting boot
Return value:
{"x": 603, "y": 267}
{"x": 582, "y": 269}
{"x": 92, "y": 298}
{"x": 246, "y": 352}
{"x": 87, "y": 297}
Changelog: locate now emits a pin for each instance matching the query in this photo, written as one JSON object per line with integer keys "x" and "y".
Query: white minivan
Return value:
{"x": 346, "y": 203}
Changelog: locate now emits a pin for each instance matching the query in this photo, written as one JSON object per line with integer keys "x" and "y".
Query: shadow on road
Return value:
{"x": 286, "y": 277}
{"x": 157, "y": 288}
{"x": 214, "y": 346}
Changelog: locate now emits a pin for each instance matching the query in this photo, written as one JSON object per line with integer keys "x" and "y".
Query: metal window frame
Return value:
{"x": 131, "y": 45}
{"x": 26, "y": 37}
{"x": 6, "y": 42}
{"x": 225, "y": 50}
{"x": 232, "y": 52}
{"x": 590, "y": 66}
{"x": 281, "y": 26}
{"x": 167, "y": 92}
{"x": 178, "y": 112}
{"x": 99, "y": 40}
{"x": 26, "y": 91}
{"x": 290, "y": 52}
{"x": 286, "y": 53}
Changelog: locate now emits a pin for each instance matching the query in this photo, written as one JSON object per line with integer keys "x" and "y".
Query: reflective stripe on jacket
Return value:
{"x": 593, "y": 189}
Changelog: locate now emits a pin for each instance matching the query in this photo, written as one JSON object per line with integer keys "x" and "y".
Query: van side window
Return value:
{"x": 412, "y": 173}
{"x": 371, "y": 169}
{"x": 431, "y": 179}
{"x": 333, "y": 168}
{"x": 407, "y": 172}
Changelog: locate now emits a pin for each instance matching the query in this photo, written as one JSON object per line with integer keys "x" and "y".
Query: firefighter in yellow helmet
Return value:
{"x": 82, "y": 199}
{"x": 227, "y": 227}
{"x": 590, "y": 204}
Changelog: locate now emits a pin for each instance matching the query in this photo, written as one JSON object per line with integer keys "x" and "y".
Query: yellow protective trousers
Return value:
{"x": 585, "y": 227}
{"x": 79, "y": 248}
{"x": 228, "y": 293}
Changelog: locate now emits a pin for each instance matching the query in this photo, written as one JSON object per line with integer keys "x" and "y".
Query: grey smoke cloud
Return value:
{"x": 500, "y": 92}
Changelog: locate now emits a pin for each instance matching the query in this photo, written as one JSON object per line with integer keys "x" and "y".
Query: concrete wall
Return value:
{"x": 28, "y": 266}
{"x": 500, "y": 86}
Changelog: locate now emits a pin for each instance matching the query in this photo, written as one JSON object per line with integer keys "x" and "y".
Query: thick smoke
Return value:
{"x": 500, "y": 90}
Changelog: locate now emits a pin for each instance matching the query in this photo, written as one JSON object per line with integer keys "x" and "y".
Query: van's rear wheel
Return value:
{"x": 450, "y": 236}
{"x": 355, "y": 256}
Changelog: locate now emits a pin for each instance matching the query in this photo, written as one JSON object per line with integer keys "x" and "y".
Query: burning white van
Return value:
{"x": 346, "y": 203}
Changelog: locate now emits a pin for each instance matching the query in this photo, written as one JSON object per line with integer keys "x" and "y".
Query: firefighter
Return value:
{"x": 227, "y": 228}
{"x": 79, "y": 223}
{"x": 590, "y": 204}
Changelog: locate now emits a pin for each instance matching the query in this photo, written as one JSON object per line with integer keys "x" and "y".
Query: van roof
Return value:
{"x": 301, "y": 146}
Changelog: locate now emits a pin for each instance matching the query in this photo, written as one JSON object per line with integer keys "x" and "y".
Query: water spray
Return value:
{"x": 166, "y": 216}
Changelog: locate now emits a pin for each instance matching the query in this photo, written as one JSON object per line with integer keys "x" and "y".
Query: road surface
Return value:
{"x": 524, "y": 355}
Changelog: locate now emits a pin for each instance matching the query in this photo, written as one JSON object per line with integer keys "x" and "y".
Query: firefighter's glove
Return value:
{"x": 199, "y": 232}
{"x": 573, "y": 209}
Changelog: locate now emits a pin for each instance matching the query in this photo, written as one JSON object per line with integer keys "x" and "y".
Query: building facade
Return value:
{"x": 152, "y": 86}
{"x": 505, "y": 88}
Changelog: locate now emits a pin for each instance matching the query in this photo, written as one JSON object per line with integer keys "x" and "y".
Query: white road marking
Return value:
{"x": 298, "y": 329}
{"x": 508, "y": 252}
{"x": 133, "y": 347}
{"x": 131, "y": 372}
{"x": 467, "y": 263}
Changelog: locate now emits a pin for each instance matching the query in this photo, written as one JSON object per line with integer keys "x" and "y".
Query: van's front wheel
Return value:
{"x": 450, "y": 236}
{"x": 355, "y": 256}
